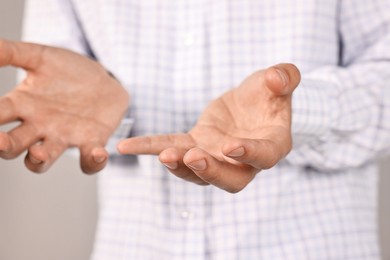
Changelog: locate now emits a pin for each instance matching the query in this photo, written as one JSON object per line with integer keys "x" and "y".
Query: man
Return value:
{"x": 197, "y": 69}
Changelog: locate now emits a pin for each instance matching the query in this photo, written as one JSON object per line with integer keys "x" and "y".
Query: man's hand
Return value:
{"x": 66, "y": 100}
{"x": 242, "y": 132}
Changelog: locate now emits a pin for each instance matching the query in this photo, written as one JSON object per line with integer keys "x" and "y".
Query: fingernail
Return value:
{"x": 119, "y": 147}
{"x": 99, "y": 159}
{"x": 198, "y": 165}
{"x": 282, "y": 76}
{"x": 172, "y": 165}
{"x": 240, "y": 151}
{"x": 35, "y": 160}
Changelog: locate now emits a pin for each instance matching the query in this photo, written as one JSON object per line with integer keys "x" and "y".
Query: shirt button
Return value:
{"x": 185, "y": 214}
{"x": 189, "y": 39}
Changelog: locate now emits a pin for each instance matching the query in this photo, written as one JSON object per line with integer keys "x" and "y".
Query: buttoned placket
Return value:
{"x": 188, "y": 75}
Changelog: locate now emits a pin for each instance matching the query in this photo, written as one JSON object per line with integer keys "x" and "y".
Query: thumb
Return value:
{"x": 19, "y": 54}
{"x": 282, "y": 79}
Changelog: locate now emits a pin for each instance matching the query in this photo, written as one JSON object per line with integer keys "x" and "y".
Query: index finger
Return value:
{"x": 155, "y": 144}
{"x": 20, "y": 54}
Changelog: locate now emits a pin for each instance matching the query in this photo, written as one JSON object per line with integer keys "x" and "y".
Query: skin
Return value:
{"x": 242, "y": 132}
{"x": 66, "y": 100}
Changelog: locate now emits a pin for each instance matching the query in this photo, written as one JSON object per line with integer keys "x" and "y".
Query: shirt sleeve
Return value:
{"x": 55, "y": 23}
{"x": 341, "y": 114}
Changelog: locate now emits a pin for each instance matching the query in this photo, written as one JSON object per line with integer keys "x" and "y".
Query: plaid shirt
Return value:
{"x": 174, "y": 56}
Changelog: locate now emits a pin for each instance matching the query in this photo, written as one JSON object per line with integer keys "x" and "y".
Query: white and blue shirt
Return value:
{"x": 174, "y": 56}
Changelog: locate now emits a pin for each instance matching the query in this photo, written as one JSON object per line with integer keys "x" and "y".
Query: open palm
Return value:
{"x": 245, "y": 130}
{"x": 66, "y": 100}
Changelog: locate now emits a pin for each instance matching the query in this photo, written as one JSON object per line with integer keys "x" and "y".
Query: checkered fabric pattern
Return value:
{"x": 174, "y": 56}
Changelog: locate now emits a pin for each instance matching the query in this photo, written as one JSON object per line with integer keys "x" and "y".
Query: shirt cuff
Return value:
{"x": 313, "y": 111}
{"x": 122, "y": 132}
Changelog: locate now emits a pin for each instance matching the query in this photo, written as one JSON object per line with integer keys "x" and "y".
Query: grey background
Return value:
{"x": 53, "y": 216}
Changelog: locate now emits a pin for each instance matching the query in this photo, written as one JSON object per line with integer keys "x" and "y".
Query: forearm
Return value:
{"x": 348, "y": 123}
{"x": 341, "y": 113}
